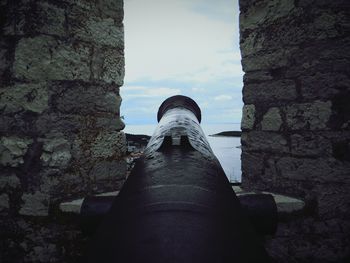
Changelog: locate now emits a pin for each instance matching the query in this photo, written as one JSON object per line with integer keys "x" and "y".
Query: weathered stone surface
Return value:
{"x": 9, "y": 181}
{"x": 86, "y": 100}
{"x": 5, "y": 58}
{"x": 62, "y": 123}
{"x": 323, "y": 85}
{"x": 296, "y": 30}
{"x": 102, "y": 31}
{"x": 38, "y": 17}
{"x": 12, "y": 150}
{"x": 36, "y": 204}
{"x": 248, "y": 117}
{"x": 303, "y": 46}
{"x": 264, "y": 141}
{"x": 272, "y": 120}
{"x": 333, "y": 199}
{"x": 105, "y": 9}
{"x": 46, "y": 58}
{"x": 307, "y": 144}
{"x": 263, "y": 12}
{"x": 111, "y": 123}
{"x": 271, "y": 91}
{"x": 267, "y": 60}
{"x": 252, "y": 169}
{"x": 309, "y": 116}
{"x": 30, "y": 97}
{"x": 56, "y": 152}
{"x": 107, "y": 65}
{"x": 43, "y": 253}
{"x": 108, "y": 170}
{"x": 4, "y": 202}
{"x": 61, "y": 66}
{"x": 109, "y": 144}
{"x": 257, "y": 76}
{"x": 315, "y": 170}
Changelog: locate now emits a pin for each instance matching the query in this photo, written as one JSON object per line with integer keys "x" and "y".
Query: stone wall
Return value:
{"x": 296, "y": 121}
{"x": 61, "y": 66}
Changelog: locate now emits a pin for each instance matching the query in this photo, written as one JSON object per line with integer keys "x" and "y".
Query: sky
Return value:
{"x": 186, "y": 47}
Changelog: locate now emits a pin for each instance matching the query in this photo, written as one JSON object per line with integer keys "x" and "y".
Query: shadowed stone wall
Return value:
{"x": 296, "y": 119}
{"x": 61, "y": 66}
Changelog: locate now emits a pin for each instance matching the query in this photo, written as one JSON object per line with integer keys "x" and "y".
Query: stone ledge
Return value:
{"x": 285, "y": 204}
{"x": 74, "y": 206}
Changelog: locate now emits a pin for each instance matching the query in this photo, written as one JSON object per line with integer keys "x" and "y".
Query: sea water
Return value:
{"x": 226, "y": 149}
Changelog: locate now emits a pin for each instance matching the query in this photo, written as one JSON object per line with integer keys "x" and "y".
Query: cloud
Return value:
{"x": 188, "y": 47}
{"x": 223, "y": 98}
{"x": 143, "y": 91}
{"x": 180, "y": 40}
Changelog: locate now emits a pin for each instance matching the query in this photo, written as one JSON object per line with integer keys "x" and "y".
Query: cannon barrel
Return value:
{"x": 177, "y": 204}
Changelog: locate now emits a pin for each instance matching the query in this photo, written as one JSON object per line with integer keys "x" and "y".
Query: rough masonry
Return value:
{"x": 61, "y": 66}
{"x": 296, "y": 119}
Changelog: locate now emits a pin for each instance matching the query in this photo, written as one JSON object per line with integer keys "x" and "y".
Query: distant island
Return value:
{"x": 228, "y": 134}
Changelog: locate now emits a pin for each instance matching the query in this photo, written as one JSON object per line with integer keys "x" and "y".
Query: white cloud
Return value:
{"x": 223, "y": 98}
{"x": 143, "y": 91}
{"x": 167, "y": 39}
{"x": 197, "y": 89}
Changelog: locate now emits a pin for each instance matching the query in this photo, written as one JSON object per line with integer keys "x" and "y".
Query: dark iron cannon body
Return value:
{"x": 177, "y": 204}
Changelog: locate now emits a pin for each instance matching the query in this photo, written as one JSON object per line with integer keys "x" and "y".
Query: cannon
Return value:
{"x": 177, "y": 204}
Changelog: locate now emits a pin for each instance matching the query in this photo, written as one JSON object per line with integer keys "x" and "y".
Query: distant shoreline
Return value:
{"x": 227, "y": 134}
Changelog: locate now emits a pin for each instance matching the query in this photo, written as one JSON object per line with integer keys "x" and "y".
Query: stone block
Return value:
{"x": 108, "y": 65}
{"x": 105, "y": 8}
{"x": 309, "y": 116}
{"x": 272, "y": 120}
{"x": 13, "y": 149}
{"x": 24, "y": 97}
{"x": 102, "y": 31}
{"x": 85, "y": 99}
{"x": 9, "y": 182}
{"x": 108, "y": 170}
{"x": 324, "y": 170}
{"x": 36, "y": 204}
{"x": 33, "y": 17}
{"x": 248, "y": 117}
{"x": 112, "y": 8}
{"x": 264, "y": 141}
{"x": 264, "y": 12}
{"x": 323, "y": 85}
{"x": 310, "y": 144}
{"x": 269, "y": 59}
{"x": 63, "y": 123}
{"x": 56, "y": 152}
{"x": 43, "y": 253}
{"x": 333, "y": 200}
{"x": 252, "y": 43}
{"x": 297, "y": 29}
{"x": 252, "y": 169}
{"x": 111, "y": 123}
{"x": 5, "y": 58}
{"x": 257, "y": 76}
{"x": 270, "y": 91}
{"x": 4, "y": 202}
{"x": 46, "y": 58}
{"x": 109, "y": 144}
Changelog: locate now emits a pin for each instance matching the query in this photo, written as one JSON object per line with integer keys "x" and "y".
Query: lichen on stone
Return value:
{"x": 31, "y": 97}
{"x": 13, "y": 149}
{"x": 248, "y": 117}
